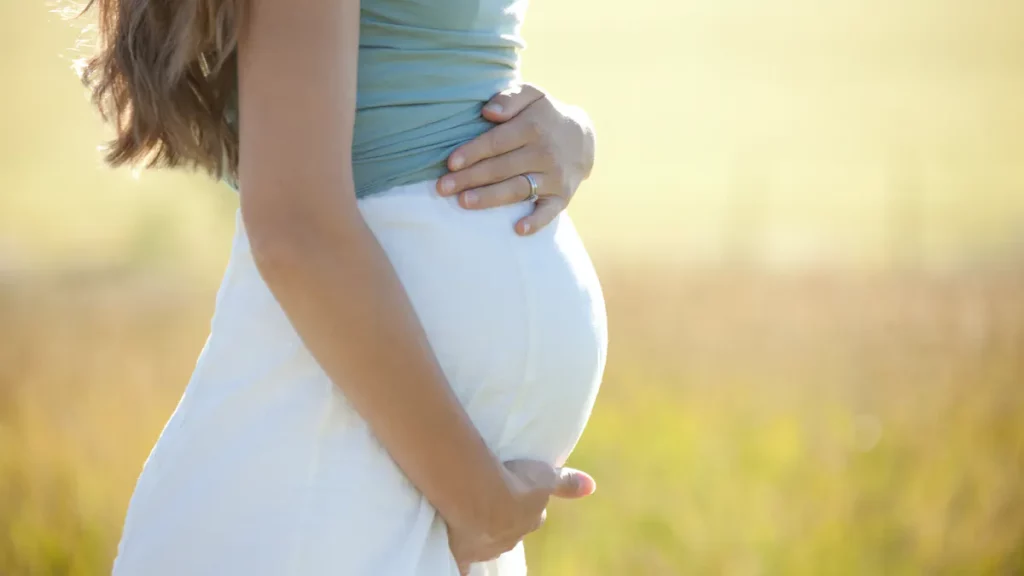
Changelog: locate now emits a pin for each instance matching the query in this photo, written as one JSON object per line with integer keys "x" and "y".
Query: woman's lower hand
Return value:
{"x": 532, "y": 484}
{"x": 535, "y": 135}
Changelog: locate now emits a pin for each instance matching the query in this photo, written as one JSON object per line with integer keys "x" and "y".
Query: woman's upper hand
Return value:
{"x": 536, "y": 135}
{"x": 533, "y": 483}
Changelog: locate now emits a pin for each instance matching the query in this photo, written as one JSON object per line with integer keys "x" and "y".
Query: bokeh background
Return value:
{"x": 809, "y": 220}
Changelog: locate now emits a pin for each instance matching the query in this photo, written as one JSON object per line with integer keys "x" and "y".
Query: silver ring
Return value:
{"x": 533, "y": 188}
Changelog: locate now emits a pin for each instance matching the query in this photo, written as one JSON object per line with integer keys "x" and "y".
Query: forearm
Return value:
{"x": 344, "y": 299}
{"x": 297, "y": 71}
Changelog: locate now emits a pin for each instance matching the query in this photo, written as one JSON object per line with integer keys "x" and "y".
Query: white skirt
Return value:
{"x": 264, "y": 468}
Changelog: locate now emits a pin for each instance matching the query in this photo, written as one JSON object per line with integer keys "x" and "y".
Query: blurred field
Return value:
{"x": 750, "y": 424}
{"x": 809, "y": 220}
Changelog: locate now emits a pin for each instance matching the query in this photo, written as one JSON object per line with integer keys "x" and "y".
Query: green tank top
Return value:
{"x": 426, "y": 67}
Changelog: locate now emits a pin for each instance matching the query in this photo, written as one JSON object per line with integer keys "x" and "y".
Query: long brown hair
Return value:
{"x": 166, "y": 77}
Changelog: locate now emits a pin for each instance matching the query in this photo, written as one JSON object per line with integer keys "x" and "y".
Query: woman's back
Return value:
{"x": 425, "y": 69}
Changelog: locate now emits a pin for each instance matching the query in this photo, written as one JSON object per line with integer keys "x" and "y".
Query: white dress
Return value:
{"x": 264, "y": 468}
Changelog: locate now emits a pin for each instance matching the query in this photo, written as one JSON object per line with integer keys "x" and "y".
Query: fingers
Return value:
{"x": 495, "y": 142}
{"x": 508, "y": 103}
{"x": 533, "y": 471}
{"x": 573, "y": 483}
{"x": 468, "y": 551}
{"x": 515, "y": 189}
{"x": 466, "y": 558}
{"x": 510, "y": 191}
{"x": 547, "y": 208}
{"x": 491, "y": 171}
{"x": 512, "y": 131}
{"x": 562, "y": 482}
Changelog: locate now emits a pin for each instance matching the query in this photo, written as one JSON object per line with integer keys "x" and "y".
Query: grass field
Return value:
{"x": 809, "y": 220}
{"x": 750, "y": 424}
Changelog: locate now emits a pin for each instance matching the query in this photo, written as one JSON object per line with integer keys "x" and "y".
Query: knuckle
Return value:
{"x": 477, "y": 178}
{"x": 472, "y": 151}
{"x": 533, "y": 127}
{"x": 490, "y": 173}
{"x": 509, "y": 100}
{"x": 512, "y": 91}
{"x": 488, "y": 198}
{"x": 472, "y": 178}
{"x": 545, "y": 150}
{"x": 531, "y": 88}
{"x": 488, "y": 145}
{"x": 515, "y": 190}
{"x": 565, "y": 188}
{"x": 499, "y": 140}
{"x": 465, "y": 179}
{"x": 552, "y": 206}
{"x": 572, "y": 481}
{"x": 544, "y": 106}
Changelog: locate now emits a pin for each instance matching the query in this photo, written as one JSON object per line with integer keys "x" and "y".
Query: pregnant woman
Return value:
{"x": 409, "y": 336}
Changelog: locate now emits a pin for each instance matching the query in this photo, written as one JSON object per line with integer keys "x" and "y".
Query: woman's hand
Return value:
{"x": 536, "y": 135}
{"x": 533, "y": 483}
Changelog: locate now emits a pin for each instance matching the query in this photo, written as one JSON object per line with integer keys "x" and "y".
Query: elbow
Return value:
{"x": 280, "y": 237}
{"x": 291, "y": 230}
{"x": 277, "y": 261}
{"x": 277, "y": 249}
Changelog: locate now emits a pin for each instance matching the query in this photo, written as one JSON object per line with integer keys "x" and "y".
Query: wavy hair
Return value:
{"x": 165, "y": 77}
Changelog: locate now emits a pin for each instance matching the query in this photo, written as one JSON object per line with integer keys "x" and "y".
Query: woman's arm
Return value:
{"x": 536, "y": 135}
{"x": 297, "y": 91}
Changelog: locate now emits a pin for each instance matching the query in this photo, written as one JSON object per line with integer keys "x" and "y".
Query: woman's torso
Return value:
{"x": 425, "y": 69}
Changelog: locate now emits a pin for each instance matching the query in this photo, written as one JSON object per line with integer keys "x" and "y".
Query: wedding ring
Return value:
{"x": 533, "y": 188}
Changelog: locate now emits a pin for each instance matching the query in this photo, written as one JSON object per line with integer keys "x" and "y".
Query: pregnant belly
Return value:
{"x": 265, "y": 469}
{"x": 518, "y": 324}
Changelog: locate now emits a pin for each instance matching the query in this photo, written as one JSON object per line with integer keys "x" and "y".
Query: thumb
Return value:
{"x": 573, "y": 483}
{"x": 509, "y": 103}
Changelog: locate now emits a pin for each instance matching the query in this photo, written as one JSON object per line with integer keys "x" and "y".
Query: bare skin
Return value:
{"x": 297, "y": 94}
{"x": 536, "y": 135}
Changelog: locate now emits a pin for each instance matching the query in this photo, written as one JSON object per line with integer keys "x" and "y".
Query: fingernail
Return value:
{"x": 457, "y": 162}
{"x": 526, "y": 228}
{"x": 447, "y": 184}
{"x": 470, "y": 198}
{"x": 494, "y": 108}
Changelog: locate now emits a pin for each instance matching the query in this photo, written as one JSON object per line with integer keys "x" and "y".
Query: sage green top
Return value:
{"x": 426, "y": 67}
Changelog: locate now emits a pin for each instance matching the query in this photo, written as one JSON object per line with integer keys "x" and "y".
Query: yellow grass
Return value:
{"x": 750, "y": 424}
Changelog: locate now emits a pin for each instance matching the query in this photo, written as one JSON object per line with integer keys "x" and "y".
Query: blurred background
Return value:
{"x": 809, "y": 220}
